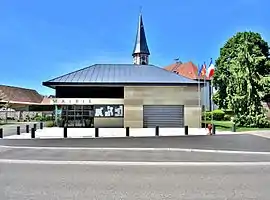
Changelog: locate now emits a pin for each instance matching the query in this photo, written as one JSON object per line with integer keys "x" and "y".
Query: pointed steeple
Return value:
{"x": 141, "y": 52}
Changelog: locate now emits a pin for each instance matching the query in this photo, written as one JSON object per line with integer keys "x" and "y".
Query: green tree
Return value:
{"x": 241, "y": 78}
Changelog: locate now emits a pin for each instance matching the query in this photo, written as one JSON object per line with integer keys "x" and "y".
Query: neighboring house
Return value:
{"x": 21, "y": 99}
{"x": 190, "y": 70}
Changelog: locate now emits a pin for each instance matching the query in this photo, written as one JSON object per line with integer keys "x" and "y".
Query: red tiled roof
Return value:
{"x": 188, "y": 69}
{"x": 17, "y": 94}
{"x": 46, "y": 101}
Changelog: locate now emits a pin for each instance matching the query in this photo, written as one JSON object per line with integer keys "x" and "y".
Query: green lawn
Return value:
{"x": 227, "y": 126}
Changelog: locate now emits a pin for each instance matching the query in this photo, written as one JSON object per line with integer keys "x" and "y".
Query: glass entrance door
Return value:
{"x": 78, "y": 115}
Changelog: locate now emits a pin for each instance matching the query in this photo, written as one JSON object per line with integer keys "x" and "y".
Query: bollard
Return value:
{"x": 233, "y": 127}
{"x": 96, "y": 132}
{"x": 35, "y": 127}
{"x": 18, "y": 130}
{"x": 41, "y": 125}
{"x": 157, "y": 131}
{"x": 1, "y": 133}
{"x": 214, "y": 129}
{"x": 127, "y": 131}
{"x": 65, "y": 132}
{"x": 186, "y": 130}
{"x": 27, "y": 128}
{"x": 33, "y": 132}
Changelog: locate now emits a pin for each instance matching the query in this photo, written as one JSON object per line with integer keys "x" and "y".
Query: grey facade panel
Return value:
{"x": 163, "y": 116}
{"x": 121, "y": 73}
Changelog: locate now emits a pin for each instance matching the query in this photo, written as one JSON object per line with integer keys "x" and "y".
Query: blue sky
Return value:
{"x": 42, "y": 39}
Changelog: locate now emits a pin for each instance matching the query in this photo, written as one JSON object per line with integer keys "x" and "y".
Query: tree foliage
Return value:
{"x": 242, "y": 78}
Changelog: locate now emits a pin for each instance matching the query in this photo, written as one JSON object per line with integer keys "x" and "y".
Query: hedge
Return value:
{"x": 229, "y": 112}
{"x": 206, "y": 115}
{"x": 218, "y": 115}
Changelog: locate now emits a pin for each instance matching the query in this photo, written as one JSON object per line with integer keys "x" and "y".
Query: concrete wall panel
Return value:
{"x": 137, "y": 96}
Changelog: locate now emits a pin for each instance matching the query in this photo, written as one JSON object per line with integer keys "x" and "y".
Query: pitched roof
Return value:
{"x": 17, "y": 94}
{"x": 141, "y": 43}
{"x": 188, "y": 69}
{"x": 123, "y": 74}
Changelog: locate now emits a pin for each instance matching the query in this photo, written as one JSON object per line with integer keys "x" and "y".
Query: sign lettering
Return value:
{"x": 99, "y": 112}
{"x": 71, "y": 101}
{"x": 109, "y": 111}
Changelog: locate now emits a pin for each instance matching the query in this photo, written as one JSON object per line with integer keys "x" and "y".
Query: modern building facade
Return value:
{"x": 126, "y": 95}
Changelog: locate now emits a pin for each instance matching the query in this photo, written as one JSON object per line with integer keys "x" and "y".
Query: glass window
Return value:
{"x": 77, "y": 114}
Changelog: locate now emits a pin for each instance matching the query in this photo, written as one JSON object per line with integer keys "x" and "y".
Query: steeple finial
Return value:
{"x": 141, "y": 51}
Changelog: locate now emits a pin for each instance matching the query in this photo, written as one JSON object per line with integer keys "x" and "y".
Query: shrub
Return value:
{"x": 49, "y": 124}
{"x": 218, "y": 115}
{"x": 38, "y": 118}
{"x": 48, "y": 118}
{"x": 259, "y": 121}
{"x": 206, "y": 115}
{"x": 229, "y": 112}
{"x": 227, "y": 117}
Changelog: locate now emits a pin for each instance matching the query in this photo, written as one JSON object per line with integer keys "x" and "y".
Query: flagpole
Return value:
{"x": 199, "y": 96}
{"x": 205, "y": 99}
{"x": 212, "y": 105}
{"x": 212, "y": 94}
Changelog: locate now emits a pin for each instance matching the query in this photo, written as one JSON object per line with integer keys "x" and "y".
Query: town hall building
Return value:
{"x": 132, "y": 95}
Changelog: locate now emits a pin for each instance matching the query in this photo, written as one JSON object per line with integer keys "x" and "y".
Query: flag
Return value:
{"x": 211, "y": 69}
{"x": 203, "y": 71}
{"x": 199, "y": 69}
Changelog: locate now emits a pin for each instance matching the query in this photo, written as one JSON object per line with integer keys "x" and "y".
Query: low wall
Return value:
{"x": 109, "y": 122}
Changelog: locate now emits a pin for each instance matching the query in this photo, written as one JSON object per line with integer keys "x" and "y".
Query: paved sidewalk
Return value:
{"x": 11, "y": 129}
{"x": 56, "y": 132}
{"x": 265, "y": 134}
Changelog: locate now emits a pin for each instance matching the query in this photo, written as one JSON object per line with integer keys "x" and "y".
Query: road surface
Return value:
{"x": 45, "y": 171}
{"x": 238, "y": 142}
{"x": 55, "y": 182}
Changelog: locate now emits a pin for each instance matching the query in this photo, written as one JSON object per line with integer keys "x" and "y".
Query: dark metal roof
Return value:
{"x": 141, "y": 44}
{"x": 121, "y": 74}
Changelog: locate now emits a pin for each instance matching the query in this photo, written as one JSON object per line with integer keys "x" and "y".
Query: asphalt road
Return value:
{"x": 126, "y": 156}
{"x": 11, "y": 129}
{"x": 53, "y": 173}
{"x": 239, "y": 142}
{"x": 55, "y": 182}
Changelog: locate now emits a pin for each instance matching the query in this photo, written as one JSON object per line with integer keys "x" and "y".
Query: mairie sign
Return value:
{"x": 71, "y": 101}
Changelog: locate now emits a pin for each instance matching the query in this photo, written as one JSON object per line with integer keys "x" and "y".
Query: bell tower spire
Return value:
{"x": 141, "y": 52}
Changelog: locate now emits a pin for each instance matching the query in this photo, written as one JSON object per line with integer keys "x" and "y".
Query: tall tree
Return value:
{"x": 241, "y": 78}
